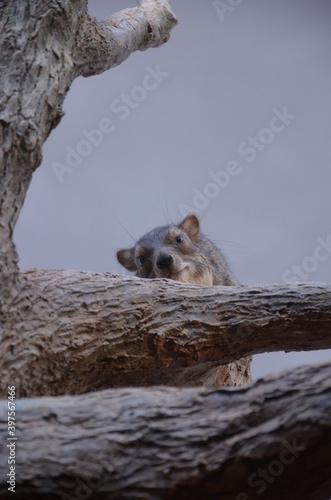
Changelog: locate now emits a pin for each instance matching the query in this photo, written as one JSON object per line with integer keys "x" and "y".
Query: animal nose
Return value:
{"x": 164, "y": 261}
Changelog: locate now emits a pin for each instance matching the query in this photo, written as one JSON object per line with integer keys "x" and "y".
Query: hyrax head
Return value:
{"x": 169, "y": 252}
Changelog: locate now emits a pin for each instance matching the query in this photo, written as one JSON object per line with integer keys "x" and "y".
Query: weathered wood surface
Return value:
{"x": 271, "y": 440}
{"x": 79, "y": 331}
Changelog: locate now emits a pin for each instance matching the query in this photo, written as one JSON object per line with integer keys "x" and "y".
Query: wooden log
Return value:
{"x": 77, "y": 331}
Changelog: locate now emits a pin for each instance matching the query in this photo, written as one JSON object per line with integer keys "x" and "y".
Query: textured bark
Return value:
{"x": 81, "y": 331}
{"x": 170, "y": 443}
{"x": 44, "y": 46}
{"x": 105, "y": 44}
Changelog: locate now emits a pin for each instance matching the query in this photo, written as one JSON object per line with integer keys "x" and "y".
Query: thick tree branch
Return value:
{"x": 80, "y": 331}
{"x": 272, "y": 438}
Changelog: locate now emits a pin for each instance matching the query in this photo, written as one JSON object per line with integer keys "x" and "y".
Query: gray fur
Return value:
{"x": 203, "y": 261}
{"x": 221, "y": 272}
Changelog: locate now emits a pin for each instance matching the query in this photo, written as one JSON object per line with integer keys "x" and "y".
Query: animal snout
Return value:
{"x": 164, "y": 261}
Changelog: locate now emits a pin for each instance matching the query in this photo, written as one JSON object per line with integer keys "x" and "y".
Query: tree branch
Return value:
{"x": 105, "y": 44}
{"x": 272, "y": 438}
{"x": 79, "y": 331}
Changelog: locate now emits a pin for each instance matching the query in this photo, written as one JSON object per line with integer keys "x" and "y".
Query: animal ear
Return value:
{"x": 191, "y": 226}
{"x": 126, "y": 258}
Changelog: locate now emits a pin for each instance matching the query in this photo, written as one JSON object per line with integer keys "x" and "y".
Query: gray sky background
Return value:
{"x": 220, "y": 81}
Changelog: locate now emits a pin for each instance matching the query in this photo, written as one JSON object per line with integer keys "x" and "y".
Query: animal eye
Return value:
{"x": 179, "y": 240}
{"x": 141, "y": 260}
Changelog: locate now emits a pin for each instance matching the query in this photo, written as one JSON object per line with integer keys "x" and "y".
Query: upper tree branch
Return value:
{"x": 79, "y": 329}
{"x": 104, "y": 44}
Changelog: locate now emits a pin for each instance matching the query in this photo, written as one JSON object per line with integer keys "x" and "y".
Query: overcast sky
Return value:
{"x": 231, "y": 119}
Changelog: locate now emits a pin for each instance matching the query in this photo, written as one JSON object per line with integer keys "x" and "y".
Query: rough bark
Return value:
{"x": 272, "y": 438}
{"x": 81, "y": 331}
{"x": 44, "y": 46}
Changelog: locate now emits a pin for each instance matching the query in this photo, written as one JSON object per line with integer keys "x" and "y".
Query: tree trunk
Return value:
{"x": 45, "y": 45}
{"x": 272, "y": 438}
{"x": 81, "y": 331}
